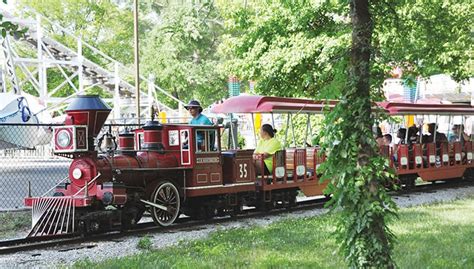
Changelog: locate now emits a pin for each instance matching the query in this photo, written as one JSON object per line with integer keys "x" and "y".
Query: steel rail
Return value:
{"x": 43, "y": 242}
{"x": 34, "y": 243}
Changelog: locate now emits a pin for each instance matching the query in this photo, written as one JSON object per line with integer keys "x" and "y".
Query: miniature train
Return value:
{"x": 169, "y": 169}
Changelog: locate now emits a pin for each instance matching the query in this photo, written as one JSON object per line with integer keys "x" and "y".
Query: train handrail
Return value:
{"x": 87, "y": 185}
{"x": 57, "y": 184}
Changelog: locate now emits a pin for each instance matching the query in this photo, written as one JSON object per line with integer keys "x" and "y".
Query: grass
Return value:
{"x": 12, "y": 223}
{"x": 145, "y": 243}
{"x": 436, "y": 236}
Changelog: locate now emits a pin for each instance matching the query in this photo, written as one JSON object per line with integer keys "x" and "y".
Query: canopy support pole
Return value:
{"x": 293, "y": 131}
{"x": 405, "y": 123}
{"x": 253, "y": 130}
{"x": 287, "y": 125}
{"x": 421, "y": 129}
{"x": 449, "y": 124}
{"x": 234, "y": 146}
{"x": 308, "y": 122}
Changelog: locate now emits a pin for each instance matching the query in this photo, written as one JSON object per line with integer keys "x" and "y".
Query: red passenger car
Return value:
{"x": 432, "y": 159}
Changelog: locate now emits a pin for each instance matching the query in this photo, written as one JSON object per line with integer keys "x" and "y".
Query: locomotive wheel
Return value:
{"x": 166, "y": 195}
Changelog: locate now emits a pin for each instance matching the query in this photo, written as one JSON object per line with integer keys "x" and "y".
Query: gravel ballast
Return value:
{"x": 98, "y": 251}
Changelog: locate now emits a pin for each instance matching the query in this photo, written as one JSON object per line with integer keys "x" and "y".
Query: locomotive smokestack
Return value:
{"x": 88, "y": 110}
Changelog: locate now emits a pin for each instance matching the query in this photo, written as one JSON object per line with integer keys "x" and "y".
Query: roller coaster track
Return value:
{"x": 78, "y": 59}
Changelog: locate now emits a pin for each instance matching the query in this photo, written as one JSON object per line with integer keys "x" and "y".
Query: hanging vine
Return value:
{"x": 358, "y": 174}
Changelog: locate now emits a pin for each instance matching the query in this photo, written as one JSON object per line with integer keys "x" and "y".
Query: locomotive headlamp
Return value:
{"x": 63, "y": 139}
{"x": 76, "y": 173}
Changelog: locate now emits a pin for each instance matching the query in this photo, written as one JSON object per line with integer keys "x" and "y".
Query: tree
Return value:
{"x": 178, "y": 42}
{"x": 182, "y": 52}
{"x": 359, "y": 187}
{"x": 102, "y": 24}
{"x": 423, "y": 37}
{"x": 288, "y": 48}
{"x": 8, "y": 27}
{"x": 302, "y": 48}
{"x": 93, "y": 21}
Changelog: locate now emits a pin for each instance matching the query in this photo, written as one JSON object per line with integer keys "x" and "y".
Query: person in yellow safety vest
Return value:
{"x": 267, "y": 146}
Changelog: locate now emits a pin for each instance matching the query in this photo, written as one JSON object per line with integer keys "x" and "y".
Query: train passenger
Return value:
{"x": 384, "y": 148}
{"x": 413, "y": 137}
{"x": 387, "y": 140}
{"x": 379, "y": 136}
{"x": 195, "y": 109}
{"x": 458, "y": 134}
{"x": 440, "y": 137}
{"x": 401, "y": 133}
{"x": 267, "y": 146}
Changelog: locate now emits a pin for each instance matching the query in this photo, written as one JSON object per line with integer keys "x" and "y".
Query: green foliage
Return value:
{"x": 181, "y": 52}
{"x": 358, "y": 175}
{"x": 358, "y": 186}
{"x": 309, "y": 243}
{"x": 298, "y": 129}
{"x": 425, "y": 37}
{"x": 102, "y": 24}
{"x": 297, "y": 49}
{"x": 145, "y": 243}
{"x": 225, "y": 140}
{"x": 241, "y": 141}
{"x": 10, "y": 28}
{"x": 178, "y": 42}
{"x": 303, "y": 49}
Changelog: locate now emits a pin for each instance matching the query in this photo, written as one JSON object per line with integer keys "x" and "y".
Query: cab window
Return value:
{"x": 206, "y": 141}
{"x": 184, "y": 139}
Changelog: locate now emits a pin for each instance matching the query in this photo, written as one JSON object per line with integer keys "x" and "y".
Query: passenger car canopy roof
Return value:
{"x": 267, "y": 104}
{"x": 426, "y": 109}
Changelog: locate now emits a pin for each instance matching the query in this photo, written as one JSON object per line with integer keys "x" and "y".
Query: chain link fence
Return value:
{"x": 26, "y": 156}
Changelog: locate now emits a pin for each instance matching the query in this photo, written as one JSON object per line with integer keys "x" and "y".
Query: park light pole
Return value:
{"x": 137, "y": 59}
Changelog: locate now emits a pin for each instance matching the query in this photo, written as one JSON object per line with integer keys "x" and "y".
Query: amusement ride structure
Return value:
{"x": 47, "y": 52}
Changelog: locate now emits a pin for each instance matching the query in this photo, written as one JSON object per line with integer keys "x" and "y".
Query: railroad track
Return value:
{"x": 25, "y": 244}
{"x": 45, "y": 242}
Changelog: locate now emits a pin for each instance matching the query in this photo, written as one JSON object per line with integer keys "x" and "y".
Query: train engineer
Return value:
{"x": 195, "y": 109}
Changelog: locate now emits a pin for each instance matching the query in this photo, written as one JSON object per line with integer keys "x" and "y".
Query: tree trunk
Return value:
{"x": 360, "y": 56}
{"x": 359, "y": 93}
